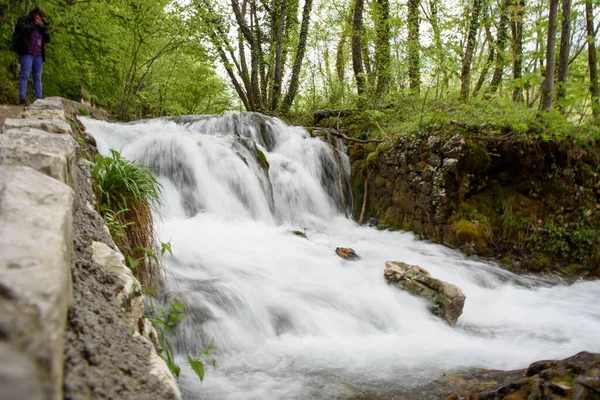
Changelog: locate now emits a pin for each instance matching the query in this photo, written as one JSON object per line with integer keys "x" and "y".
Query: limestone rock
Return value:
{"x": 130, "y": 296}
{"x": 347, "y": 253}
{"x": 446, "y": 300}
{"x": 16, "y": 371}
{"x": 53, "y": 155}
{"x": 47, "y": 125}
{"x": 48, "y": 108}
{"x": 35, "y": 270}
{"x": 576, "y": 377}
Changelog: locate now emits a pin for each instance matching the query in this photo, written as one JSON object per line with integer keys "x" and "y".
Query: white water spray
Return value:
{"x": 290, "y": 318}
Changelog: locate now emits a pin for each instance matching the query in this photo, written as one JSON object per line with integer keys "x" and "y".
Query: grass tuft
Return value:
{"x": 125, "y": 191}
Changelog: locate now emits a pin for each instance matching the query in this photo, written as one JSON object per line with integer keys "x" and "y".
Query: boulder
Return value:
{"x": 446, "y": 300}
{"x": 347, "y": 253}
{"x": 50, "y": 154}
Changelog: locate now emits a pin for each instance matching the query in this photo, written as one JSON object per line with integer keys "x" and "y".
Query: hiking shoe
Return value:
{"x": 23, "y": 102}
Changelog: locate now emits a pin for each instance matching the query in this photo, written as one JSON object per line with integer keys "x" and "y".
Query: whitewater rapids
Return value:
{"x": 291, "y": 319}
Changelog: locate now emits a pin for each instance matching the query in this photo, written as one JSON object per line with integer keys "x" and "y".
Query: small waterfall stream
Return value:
{"x": 290, "y": 318}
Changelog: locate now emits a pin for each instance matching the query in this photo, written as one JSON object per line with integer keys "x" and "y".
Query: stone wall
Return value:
{"x": 71, "y": 313}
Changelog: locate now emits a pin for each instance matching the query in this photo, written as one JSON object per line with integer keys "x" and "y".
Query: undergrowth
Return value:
{"x": 125, "y": 191}
{"x": 495, "y": 116}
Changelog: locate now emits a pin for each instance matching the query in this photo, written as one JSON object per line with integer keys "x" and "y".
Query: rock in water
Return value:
{"x": 446, "y": 300}
{"x": 347, "y": 253}
{"x": 576, "y": 377}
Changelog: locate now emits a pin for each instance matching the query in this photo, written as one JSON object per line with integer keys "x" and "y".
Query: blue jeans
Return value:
{"x": 28, "y": 63}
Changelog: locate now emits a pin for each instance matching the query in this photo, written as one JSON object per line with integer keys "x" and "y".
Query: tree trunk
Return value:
{"x": 489, "y": 61}
{"x": 382, "y": 47}
{"x": 276, "y": 88}
{"x": 548, "y": 87}
{"x": 500, "y": 46}
{"x": 563, "y": 57}
{"x": 517, "y": 46}
{"x": 441, "y": 73}
{"x": 468, "y": 57}
{"x": 414, "y": 71}
{"x": 593, "y": 65}
{"x": 295, "y": 79}
{"x": 357, "y": 63}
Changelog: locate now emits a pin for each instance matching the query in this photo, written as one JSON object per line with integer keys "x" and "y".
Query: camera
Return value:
{"x": 45, "y": 22}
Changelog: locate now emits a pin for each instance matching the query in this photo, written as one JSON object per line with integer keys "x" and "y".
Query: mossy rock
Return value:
{"x": 477, "y": 233}
{"x": 475, "y": 158}
{"x": 300, "y": 234}
{"x": 539, "y": 263}
{"x": 262, "y": 159}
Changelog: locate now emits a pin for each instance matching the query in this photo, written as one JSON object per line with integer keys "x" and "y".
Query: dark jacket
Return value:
{"x": 22, "y": 36}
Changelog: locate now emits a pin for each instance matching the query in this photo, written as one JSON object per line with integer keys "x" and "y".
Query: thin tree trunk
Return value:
{"x": 357, "y": 63}
{"x": 255, "y": 51}
{"x": 295, "y": 79}
{"x": 563, "y": 57}
{"x": 517, "y": 33}
{"x": 382, "y": 47}
{"x": 548, "y": 87}
{"x": 500, "y": 47}
{"x": 488, "y": 63}
{"x": 593, "y": 65}
{"x": 414, "y": 72}
{"x": 276, "y": 88}
{"x": 468, "y": 57}
{"x": 439, "y": 47}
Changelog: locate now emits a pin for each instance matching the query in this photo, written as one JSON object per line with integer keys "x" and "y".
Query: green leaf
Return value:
{"x": 197, "y": 367}
{"x": 133, "y": 263}
{"x": 177, "y": 306}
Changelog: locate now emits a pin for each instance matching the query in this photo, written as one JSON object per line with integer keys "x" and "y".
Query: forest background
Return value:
{"x": 413, "y": 61}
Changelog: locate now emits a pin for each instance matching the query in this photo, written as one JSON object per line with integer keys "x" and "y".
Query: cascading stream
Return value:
{"x": 290, "y": 318}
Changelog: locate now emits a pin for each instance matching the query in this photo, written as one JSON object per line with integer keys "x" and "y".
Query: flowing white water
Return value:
{"x": 290, "y": 318}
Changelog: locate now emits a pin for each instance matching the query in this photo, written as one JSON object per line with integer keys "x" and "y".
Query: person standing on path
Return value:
{"x": 31, "y": 35}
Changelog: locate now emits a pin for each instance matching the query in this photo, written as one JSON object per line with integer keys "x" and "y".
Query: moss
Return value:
{"x": 573, "y": 269}
{"x": 473, "y": 232}
{"x": 475, "y": 159}
{"x": 300, "y": 233}
{"x": 372, "y": 159}
{"x": 262, "y": 159}
{"x": 538, "y": 263}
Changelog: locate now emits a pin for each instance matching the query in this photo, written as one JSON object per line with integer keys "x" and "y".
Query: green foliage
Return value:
{"x": 165, "y": 321}
{"x": 137, "y": 58}
{"x": 119, "y": 181}
{"x": 300, "y": 234}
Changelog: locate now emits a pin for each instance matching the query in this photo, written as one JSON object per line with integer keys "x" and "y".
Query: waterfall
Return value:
{"x": 290, "y": 318}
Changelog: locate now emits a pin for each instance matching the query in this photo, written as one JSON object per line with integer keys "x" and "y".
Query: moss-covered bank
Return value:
{"x": 530, "y": 201}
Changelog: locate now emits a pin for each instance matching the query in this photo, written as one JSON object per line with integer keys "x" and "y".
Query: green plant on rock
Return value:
{"x": 125, "y": 191}
{"x": 165, "y": 321}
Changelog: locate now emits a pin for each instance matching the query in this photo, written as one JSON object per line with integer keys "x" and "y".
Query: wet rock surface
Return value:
{"x": 446, "y": 300}
{"x": 576, "y": 378}
{"x": 347, "y": 253}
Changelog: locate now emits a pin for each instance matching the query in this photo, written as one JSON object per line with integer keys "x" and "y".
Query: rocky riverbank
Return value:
{"x": 532, "y": 204}
{"x": 72, "y": 318}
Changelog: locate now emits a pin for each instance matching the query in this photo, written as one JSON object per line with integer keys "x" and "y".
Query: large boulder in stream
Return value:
{"x": 446, "y": 300}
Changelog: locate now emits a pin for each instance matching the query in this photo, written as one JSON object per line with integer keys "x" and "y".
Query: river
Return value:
{"x": 291, "y": 319}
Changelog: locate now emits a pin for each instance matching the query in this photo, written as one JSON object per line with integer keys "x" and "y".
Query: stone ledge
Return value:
{"x": 48, "y": 125}
{"x": 50, "y": 154}
{"x": 36, "y": 243}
